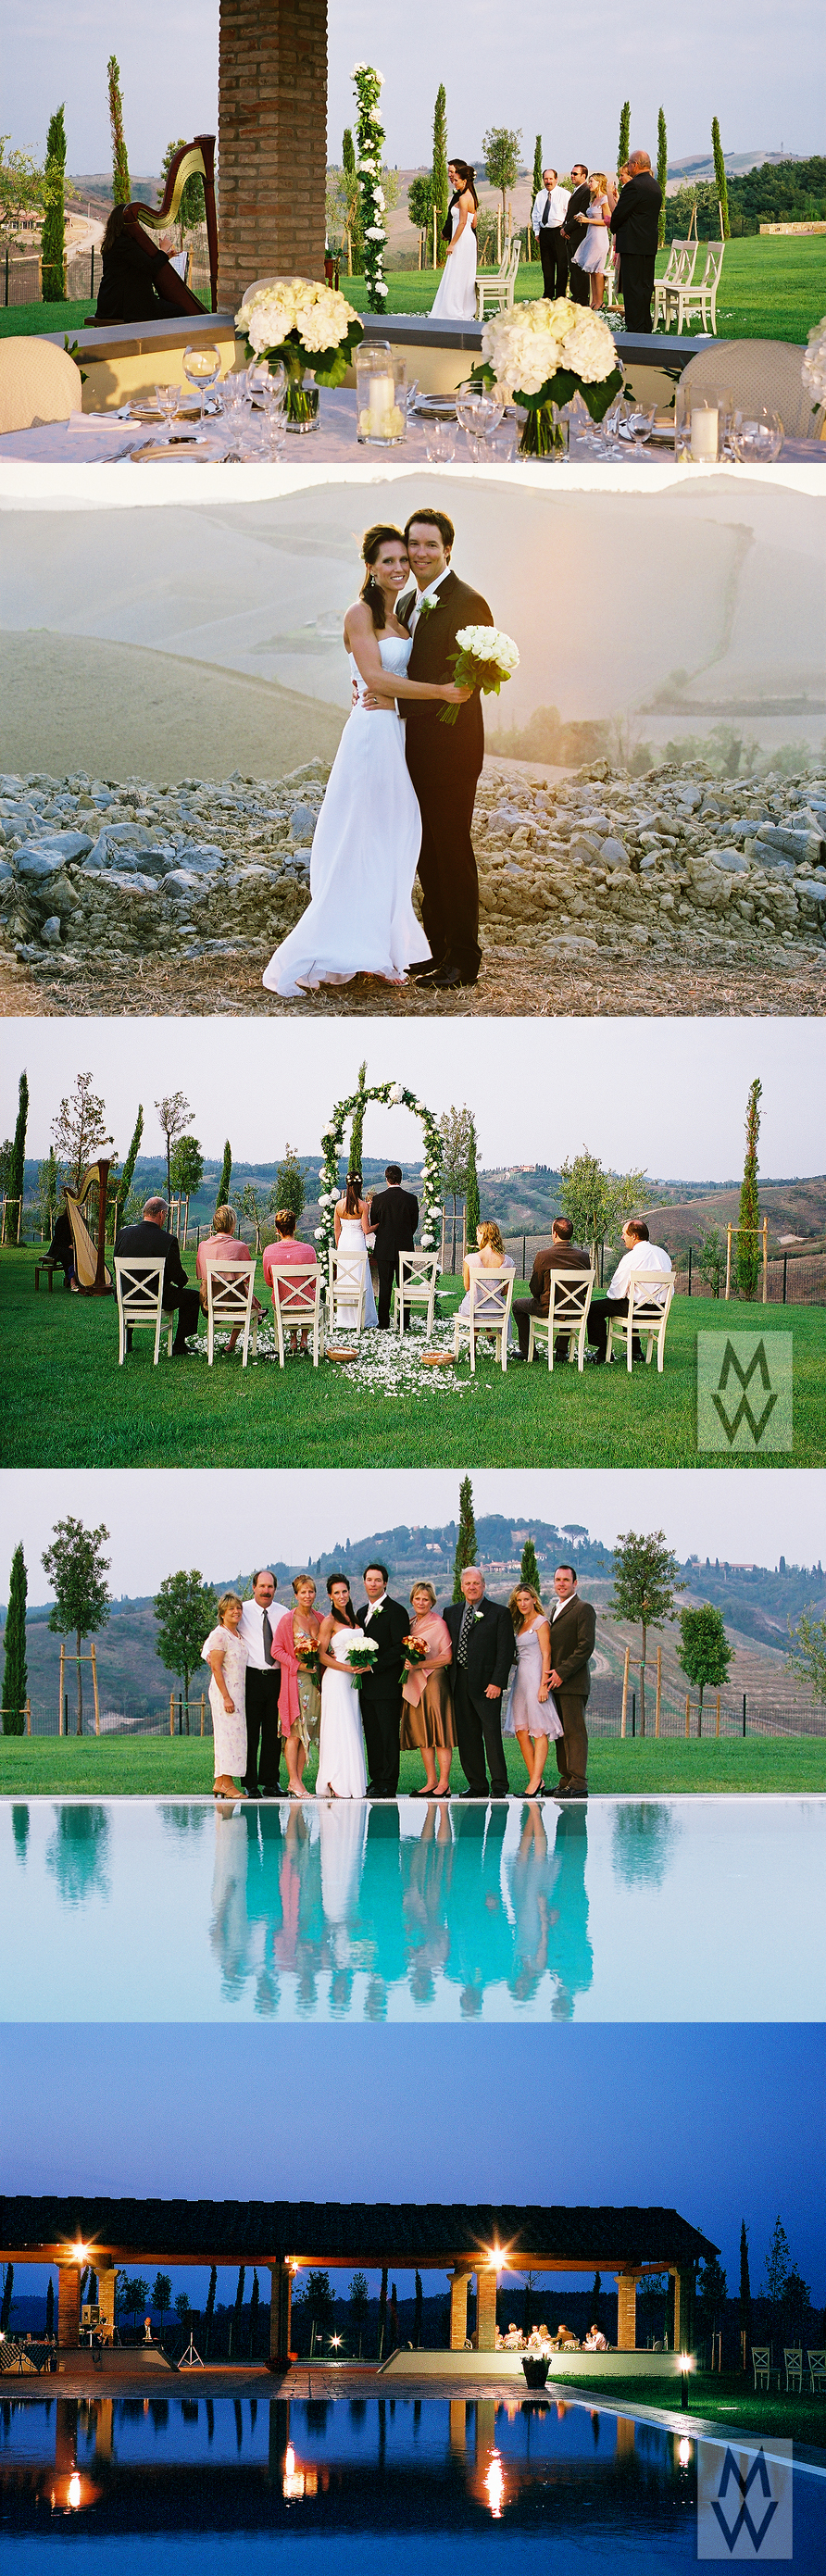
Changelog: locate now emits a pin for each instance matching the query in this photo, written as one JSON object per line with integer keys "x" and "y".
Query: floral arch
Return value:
{"x": 393, "y": 1095}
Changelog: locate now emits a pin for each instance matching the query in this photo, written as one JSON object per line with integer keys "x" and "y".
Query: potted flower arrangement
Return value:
{"x": 305, "y": 325}
{"x": 539, "y": 356}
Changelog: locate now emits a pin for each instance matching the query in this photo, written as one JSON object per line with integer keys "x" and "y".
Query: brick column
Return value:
{"x": 458, "y": 2310}
{"x": 486, "y": 2288}
{"x": 68, "y": 2307}
{"x": 281, "y": 2298}
{"x": 627, "y": 2312}
{"x": 272, "y": 141}
{"x": 106, "y": 2303}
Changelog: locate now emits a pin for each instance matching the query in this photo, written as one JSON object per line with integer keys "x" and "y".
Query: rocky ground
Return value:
{"x": 129, "y": 897}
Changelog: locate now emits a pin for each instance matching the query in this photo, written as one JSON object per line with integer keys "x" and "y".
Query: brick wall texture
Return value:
{"x": 272, "y": 141}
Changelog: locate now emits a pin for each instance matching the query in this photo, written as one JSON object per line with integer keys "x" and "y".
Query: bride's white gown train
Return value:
{"x": 455, "y": 298}
{"x": 351, "y": 1239}
{"x": 341, "y": 1770}
{"x": 360, "y": 919}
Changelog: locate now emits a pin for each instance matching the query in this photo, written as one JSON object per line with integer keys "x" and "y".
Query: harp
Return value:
{"x": 92, "y": 1276}
{"x": 196, "y": 159}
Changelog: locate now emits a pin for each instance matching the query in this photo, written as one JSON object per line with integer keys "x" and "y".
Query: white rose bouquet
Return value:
{"x": 539, "y": 355}
{"x": 483, "y": 659}
{"x": 303, "y": 324}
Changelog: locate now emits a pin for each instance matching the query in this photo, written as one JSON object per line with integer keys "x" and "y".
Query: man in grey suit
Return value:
{"x": 573, "y": 1633}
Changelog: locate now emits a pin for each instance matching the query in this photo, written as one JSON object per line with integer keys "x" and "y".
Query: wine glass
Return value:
{"x": 477, "y": 412}
{"x": 202, "y": 368}
{"x": 168, "y": 401}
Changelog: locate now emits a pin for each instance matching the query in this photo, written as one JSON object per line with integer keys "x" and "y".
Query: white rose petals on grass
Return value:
{"x": 484, "y": 659}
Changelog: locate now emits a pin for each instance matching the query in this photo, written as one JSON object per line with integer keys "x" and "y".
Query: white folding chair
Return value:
{"x": 491, "y": 1296}
{"x": 139, "y": 1291}
{"x": 685, "y": 302}
{"x": 415, "y": 1288}
{"x": 229, "y": 1287}
{"x": 347, "y": 1290}
{"x": 495, "y": 294}
{"x": 296, "y": 1297}
{"x": 817, "y": 2370}
{"x": 570, "y": 1298}
{"x": 650, "y": 1299}
{"x": 679, "y": 270}
{"x": 761, "y": 2355}
{"x": 793, "y": 2360}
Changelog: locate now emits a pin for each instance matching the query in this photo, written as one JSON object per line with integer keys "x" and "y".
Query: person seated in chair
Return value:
{"x": 138, "y": 282}
{"x": 562, "y": 1253}
{"x": 149, "y": 1241}
{"x": 222, "y": 1245}
{"x": 62, "y": 1247}
{"x": 287, "y": 1253}
{"x": 640, "y": 1254}
{"x": 594, "y": 2341}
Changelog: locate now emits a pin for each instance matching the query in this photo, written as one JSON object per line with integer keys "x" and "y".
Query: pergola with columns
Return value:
{"x": 285, "y": 2237}
{"x": 272, "y": 141}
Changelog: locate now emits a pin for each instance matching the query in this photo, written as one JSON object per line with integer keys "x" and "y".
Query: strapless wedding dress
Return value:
{"x": 341, "y": 1770}
{"x": 360, "y": 919}
{"x": 351, "y": 1239}
{"x": 455, "y": 299}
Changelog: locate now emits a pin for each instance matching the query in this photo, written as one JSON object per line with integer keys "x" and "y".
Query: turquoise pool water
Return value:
{"x": 139, "y": 2482}
{"x": 670, "y": 1909}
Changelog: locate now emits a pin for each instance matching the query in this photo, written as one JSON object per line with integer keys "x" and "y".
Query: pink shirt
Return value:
{"x": 281, "y": 1256}
{"x": 220, "y": 1247}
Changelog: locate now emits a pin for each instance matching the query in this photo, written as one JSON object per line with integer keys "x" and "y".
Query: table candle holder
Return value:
{"x": 381, "y": 393}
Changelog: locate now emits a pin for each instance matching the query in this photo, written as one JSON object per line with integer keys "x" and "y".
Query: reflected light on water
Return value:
{"x": 495, "y": 2487}
{"x": 297, "y": 2482}
{"x": 684, "y": 2452}
{"x": 74, "y": 2493}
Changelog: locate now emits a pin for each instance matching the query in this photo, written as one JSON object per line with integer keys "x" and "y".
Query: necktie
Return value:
{"x": 546, "y": 217}
{"x": 464, "y": 1634}
{"x": 268, "y": 1653}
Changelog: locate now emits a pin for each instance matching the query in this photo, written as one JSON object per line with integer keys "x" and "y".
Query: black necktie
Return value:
{"x": 268, "y": 1652}
{"x": 546, "y": 217}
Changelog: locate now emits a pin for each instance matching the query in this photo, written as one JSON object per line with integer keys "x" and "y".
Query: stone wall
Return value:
{"x": 272, "y": 141}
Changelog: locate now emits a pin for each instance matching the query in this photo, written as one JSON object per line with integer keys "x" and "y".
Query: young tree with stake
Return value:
{"x": 705, "y": 1653}
{"x": 77, "y": 1567}
{"x": 185, "y": 1610}
{"x": 646, "y": 1576}
{"x": 173, "y": 1113}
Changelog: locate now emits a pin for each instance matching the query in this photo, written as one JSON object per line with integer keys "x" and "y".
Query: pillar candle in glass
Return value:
{"x": 705, "y": 421}
{"x": 381, "y": 385}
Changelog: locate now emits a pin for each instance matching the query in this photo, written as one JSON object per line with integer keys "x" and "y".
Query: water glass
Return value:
{"x": 168, "y": 400}
{"x": 202, "y": 368}
{"x": 477, "y": 412}
{"x": 756, "y": 440}
{"x": 440, "y": 441}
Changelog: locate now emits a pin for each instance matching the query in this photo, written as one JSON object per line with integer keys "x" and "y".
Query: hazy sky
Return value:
{"x": 748, "y": 63}
{"x": 666, "y": 1096}
{"x": 568, "y": 2115}
{"x": 225, "y": 1520}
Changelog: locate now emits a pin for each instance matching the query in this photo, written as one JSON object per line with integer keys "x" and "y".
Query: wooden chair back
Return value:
{"x": 229, "y": 1287}
{"x": 139, "y": 1290}
{"x": 491, "y": 1298}
{"x": 296, "y": 1297}
{"x": 347, "y": 1284}
{"x": 570, "y": 1294}
{"x": 416, "y": 1286}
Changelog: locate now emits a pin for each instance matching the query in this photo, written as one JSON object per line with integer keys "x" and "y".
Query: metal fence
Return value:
{"x": 172, "y": 1716}
{"x": 792, "y": 1279}
{"x": 737, "y": 1717}
{"x": 21, "y": 274}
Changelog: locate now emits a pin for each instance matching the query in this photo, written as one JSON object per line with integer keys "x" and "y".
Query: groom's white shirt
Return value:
{"x": 422, "y": 595}
{"x": 366, "y": 1614}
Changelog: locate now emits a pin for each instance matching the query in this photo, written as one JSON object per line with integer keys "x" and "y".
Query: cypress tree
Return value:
{"x": 254, "y": 2304}
{"x": 5, "y": 2303}
{"x": 222, "y": 1199}
{"x": 15, "y": 1678}
{"x": 17, "y": 1175}
{"x": 529, "y": 1570}
{"x": 745, "y": 2288}
{"x": 50, "y": 2306}
{"x": 417, "y": 2314}
{"x": 466, "y": 1541}
{"x": 720, "y": 178}
{"x": 748, "y": 1238}
{"x": 472, "y": 1209}
{"x": 127, "y": 1175}
{"x": 662, "y": 170}
{"x": 439, "y": 184}
{"x": 52, "y": 250}
{"x": 209, "y": 2310}
{"x": 357, "y": 1131}
{"x": 624, "y": 145}
{"x": 382, "y": 2312}
{"x": 536, "y": 183}
{"x": 121, "y": 186}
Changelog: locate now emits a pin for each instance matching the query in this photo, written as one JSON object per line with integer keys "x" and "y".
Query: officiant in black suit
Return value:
{"x": 635, "y": 224}
{"x": 481, "y": 1634}
{"x": 394, "y": 1216}
{"x": 380, "y": 1692}
{"x": 444, "y": 760}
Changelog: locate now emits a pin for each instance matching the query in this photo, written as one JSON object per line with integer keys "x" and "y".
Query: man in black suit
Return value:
{"x": 394, "y": 1216}
{"x": 635, "y": 224}
{"x": 573, "y": 1632}
{"x": 149, "y": 1241}
{"x": 444, "y": 760}
{"x": 481, "y": 1634}
{"x": 573, "y": 233}
{"x": 562, "y": 1253}
{"x": 381, "y": 1689}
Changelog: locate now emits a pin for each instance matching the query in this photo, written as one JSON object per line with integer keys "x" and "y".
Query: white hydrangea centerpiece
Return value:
{"x": 483, "y": 659}
{"x": 540, "y": 355}
{"x": 308, "y": 326}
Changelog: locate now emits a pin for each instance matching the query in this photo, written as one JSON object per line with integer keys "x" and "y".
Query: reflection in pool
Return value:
{"x": 567, "y": 2486}
{"x": 412, "y": 1910}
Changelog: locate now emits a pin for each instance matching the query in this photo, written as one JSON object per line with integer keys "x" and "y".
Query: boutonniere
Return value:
{"x": 427, "y": 607}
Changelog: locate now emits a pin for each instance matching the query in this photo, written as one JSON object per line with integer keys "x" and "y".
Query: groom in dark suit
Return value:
{"x": 481, "y": 1634}
{"x": 444, "y": 760}
{"x": 394, "y": 1216}
{"x": 635, "y": 226}
{"x": 573, "y": 1632}
{"x": 381, "y": 1689}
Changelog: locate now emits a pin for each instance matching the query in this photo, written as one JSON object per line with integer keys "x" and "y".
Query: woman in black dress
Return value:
{"x": 138, "y": 282}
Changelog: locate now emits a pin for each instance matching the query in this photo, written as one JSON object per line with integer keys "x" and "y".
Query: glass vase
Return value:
{"x": 381, "y": 394}
{"x": 300, "y": 403}
{"x": 544, "y": 433}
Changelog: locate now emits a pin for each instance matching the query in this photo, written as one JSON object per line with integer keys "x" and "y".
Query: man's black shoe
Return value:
{"x": 453, "y": 978}
{"x": 182, "y": 1351}
{"x": 425, "y": 966}
{"x": 469, "y": 1793}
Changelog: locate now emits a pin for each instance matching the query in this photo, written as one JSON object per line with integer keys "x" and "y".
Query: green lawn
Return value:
{"x": 69, "y": 1404}
{"x": 116, "y": 1766}
{"x": 771, "y": 290}
{"x": 722, "y": 2397}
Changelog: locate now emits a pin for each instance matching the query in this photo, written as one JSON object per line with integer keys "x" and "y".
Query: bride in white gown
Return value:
{"x": 352, "y": 1235}
{"x": 341, "y": 1768}
{"x": 455, "y": 300}
{"x": 360, "y": 919}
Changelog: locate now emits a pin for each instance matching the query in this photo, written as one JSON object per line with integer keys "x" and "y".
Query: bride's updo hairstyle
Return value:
{"x": 466, "y": 175}
{"x": 371, "y": 591}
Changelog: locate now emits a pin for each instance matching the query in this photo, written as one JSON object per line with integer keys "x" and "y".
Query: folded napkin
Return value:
{"x": 97, "y": 420}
